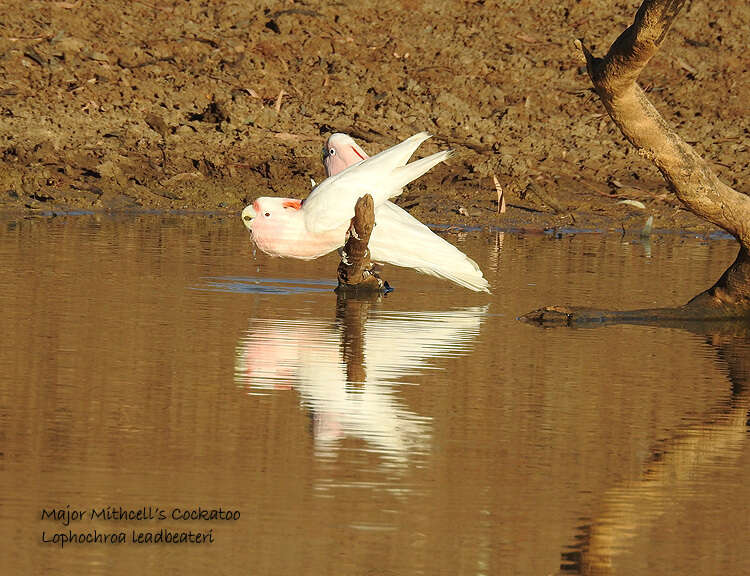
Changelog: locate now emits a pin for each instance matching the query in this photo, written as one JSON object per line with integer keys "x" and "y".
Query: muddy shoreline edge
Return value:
{"x": 206, "y": 107}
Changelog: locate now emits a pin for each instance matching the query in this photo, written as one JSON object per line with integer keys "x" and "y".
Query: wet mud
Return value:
{"x": 206, "y": 105}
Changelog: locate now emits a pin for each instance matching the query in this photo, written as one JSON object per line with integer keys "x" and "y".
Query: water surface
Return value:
{"x": 156, "y": 361}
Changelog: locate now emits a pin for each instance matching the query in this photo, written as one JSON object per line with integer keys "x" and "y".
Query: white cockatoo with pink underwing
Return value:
{"x": 318, "y": 225}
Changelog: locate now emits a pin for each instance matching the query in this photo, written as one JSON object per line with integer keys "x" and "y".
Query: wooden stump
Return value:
{"x": 355, "y": 273}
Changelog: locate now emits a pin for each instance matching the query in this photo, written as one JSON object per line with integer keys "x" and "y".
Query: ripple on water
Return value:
{"x": 263, "y": 285}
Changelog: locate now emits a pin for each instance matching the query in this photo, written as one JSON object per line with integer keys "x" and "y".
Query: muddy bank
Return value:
{"x": 207, "y": 105}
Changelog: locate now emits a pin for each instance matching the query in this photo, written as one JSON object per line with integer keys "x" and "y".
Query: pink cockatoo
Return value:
{"x": 291, "y": 228}
{"x": 395, "y": 225}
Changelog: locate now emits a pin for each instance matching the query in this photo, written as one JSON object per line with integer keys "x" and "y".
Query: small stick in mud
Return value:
{"x": 279, "y": 99}
{"x": 690, "y": 176}
{"x": 500, "y": 195}
{"x": 355, "y": 273}
{"x": 546, "y": 197}
{"x": 157, "y": 124}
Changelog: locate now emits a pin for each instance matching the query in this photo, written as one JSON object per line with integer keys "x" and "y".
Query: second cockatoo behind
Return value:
{"x": 395, "y": 227}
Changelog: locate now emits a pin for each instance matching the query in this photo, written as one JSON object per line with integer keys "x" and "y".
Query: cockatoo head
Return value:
{"x": 340, "y": 152}
{"x": 273, "y": 222}
{"x": 269, "y": 362}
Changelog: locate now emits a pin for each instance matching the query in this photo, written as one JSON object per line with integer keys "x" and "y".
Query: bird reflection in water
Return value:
{"x": 347, "y": 370}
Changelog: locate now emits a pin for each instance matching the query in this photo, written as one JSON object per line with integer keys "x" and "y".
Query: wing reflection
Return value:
{"x": 346, "y": 370}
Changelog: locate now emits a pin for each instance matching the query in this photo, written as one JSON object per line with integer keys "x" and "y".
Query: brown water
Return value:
{"x": 152, "y": 361}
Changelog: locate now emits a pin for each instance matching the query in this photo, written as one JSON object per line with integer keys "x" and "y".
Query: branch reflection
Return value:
{"x": 675, "y": 465}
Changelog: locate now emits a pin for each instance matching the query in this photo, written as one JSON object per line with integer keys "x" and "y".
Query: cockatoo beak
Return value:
{"x": 248, "y": 214}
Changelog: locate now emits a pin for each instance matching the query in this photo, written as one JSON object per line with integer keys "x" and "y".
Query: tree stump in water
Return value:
{"x": 355, "y": 272}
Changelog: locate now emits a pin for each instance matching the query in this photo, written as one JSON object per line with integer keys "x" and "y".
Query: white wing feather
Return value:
{"x": 399, "y": 238}
{"x": 331, "y": 204}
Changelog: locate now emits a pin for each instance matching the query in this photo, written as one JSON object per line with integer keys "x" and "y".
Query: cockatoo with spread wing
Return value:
{"x": 291, "y": 228}
{"x": 395, "y": 225}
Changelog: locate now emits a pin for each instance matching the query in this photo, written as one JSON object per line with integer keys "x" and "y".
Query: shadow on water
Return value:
{"x": 675, "y": 465}
{"x": 263, "y": 285}
{"x": 346, "y": 370}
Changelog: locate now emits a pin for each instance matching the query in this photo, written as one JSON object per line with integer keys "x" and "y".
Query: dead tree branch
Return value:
{"x": 690, "y": 177}
{"x": 614, "y": 78}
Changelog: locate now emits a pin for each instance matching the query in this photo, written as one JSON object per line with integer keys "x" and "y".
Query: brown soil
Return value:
{"x": 132, "y": 104}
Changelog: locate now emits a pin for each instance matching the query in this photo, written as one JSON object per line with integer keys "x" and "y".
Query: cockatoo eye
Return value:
{"x": 332, "y": 152}
{"x": 248, "y": 218}
{"x": 267, "y": 214}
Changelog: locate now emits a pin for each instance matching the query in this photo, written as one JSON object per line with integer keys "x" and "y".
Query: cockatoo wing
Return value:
{"x": 400, "y": 343}
{"x": 399, "y": 238}
{"x": 331, "y": 204}
{"x": 399, "y": 154}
